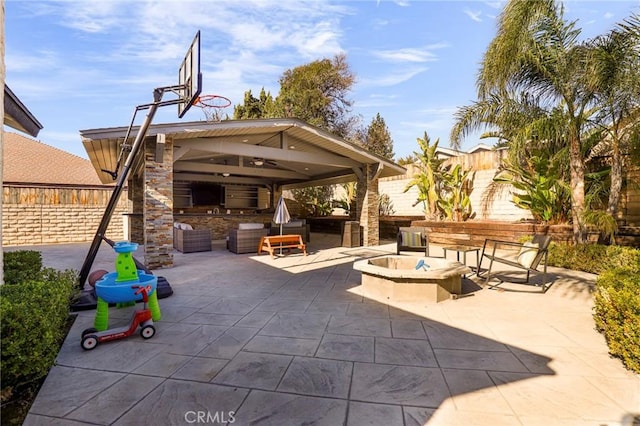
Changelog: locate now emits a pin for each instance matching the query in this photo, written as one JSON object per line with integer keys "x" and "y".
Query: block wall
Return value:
{"x": 34, "y": 218}
{"x": 485, "y": 165}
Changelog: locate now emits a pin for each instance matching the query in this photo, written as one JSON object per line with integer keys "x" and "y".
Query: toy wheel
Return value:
{"x": 89, "y": 342}
{"x": 148, "y": 331}
{"x": 88, "y": 331}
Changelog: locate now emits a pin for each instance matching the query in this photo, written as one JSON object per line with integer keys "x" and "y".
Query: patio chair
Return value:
{"x": 191, "y": 240}
{"x": 413, "y": 238}
{"x": 246, "y": 238}
{"x": 528, "y": 258}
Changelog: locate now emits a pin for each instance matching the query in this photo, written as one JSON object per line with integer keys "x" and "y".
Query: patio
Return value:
{"x": 248, "y": 339}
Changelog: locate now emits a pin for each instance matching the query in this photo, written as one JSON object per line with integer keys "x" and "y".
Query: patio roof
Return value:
{"x": 287, "y": 152}
{"x": 18, "y": 116}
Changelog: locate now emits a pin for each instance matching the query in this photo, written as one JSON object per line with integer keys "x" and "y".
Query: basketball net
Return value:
{"x": 213, "y": 107}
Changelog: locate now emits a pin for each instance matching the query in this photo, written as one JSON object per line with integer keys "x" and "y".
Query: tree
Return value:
{"x": 315, "y": 199}
{"x": 536, "y": 53}
{"x": 377, "y": 139}
{"x": 317, "y": 93}
{"x": 348, "y": 202}
{"x": 428, "y": 180}
{"x": 263, "y": 107}
{"x": 540, "y": 186}
{"x": 454, "y": 201}
{"x": 614, "y": 72}
{"x": 409, "y": 159}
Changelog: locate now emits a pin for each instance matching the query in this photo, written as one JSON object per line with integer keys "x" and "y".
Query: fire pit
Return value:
{"x": 396, "y": 278}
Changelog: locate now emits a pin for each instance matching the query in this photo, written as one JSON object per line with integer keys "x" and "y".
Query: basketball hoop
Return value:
{"x": 212, "y": 106}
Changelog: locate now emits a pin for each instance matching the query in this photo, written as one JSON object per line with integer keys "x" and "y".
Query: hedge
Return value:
{"x": 34, "y": 316}
{"x": 593, "y": 258}
{"x": 617, "y": 294}
{"x": 21, "y": 265}
{"x": 617, "y": 314}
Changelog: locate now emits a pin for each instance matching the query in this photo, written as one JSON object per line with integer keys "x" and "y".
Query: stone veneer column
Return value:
{"x": 367, "y": 206}
{"x": 136, "y": 223}
{"x": 158, "y": 206}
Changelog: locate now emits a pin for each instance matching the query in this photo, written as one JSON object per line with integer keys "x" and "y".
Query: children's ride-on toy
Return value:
{"x": 141, "y": 317}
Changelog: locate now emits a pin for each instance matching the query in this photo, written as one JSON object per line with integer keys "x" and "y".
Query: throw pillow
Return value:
{"x": 411, "y": 239}
{"x": 250, "y": 226}
{"x": 527, "y": 254}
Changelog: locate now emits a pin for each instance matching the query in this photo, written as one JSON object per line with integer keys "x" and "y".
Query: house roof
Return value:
{"x": 445, "y": 153}
{"x": 480, "y": 147}
{"x": 286, "y": 152}
{"x": 17, "y": 116}
{"x": 27, "y": 161}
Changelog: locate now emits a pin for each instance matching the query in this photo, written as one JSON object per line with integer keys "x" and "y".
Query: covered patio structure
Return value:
{"x": 218, "y": 173}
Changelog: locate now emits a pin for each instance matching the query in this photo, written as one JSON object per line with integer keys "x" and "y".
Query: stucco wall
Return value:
{"x": 484, "y": 164}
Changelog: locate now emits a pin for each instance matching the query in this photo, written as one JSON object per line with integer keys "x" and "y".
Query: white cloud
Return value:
{"x": 474, "y": 15}
{"x": 44, "y": 60}
{"x": 376, "y": 101}
{"x": 406, "y": 55}
{"x": 392, "y": 79}
{"x": 411, "y": 54}
{"x": 608, "y": 15}
{"x": 495, "y": 4}
{"x": 91, "y": 17}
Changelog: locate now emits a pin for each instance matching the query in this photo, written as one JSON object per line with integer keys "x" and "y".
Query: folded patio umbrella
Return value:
{"x": 282, "y": 213}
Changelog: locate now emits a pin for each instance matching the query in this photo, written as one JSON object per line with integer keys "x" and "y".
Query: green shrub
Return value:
{"x": 34, "y": 316}
{"x": 617, "y": 313}
{"x": 617, "y": 295}
{"x": 593, "y": 258}
{"x": 21, "y": 265}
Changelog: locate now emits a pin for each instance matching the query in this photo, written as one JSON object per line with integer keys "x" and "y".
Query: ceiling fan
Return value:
{"x": 261, "y": 161}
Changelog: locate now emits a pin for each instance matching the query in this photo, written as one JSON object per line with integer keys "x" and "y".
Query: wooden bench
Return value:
{"x": 270, "y": 243}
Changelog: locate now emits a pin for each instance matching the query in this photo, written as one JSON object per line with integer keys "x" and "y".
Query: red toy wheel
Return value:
{"x": 89, "y": 342}
{"x": 148, "y": 331}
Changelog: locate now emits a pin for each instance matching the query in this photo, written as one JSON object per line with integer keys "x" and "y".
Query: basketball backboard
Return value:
{"x": 189, "y": 77}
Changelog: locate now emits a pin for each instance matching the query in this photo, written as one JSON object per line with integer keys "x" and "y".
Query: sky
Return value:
{"x": 81, "y": 65}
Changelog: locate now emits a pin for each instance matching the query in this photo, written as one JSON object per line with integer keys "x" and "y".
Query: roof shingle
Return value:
{"x": 29, "y": 161}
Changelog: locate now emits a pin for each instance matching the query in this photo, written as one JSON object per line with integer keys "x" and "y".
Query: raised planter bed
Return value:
{"x": 474, "y": 233}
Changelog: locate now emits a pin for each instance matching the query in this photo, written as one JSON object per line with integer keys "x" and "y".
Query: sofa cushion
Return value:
{"x": 527, "y": 254}
{"x": 411, "y": 239}
{"x": 250, "y": 226}
{"x": 293, "y": 223}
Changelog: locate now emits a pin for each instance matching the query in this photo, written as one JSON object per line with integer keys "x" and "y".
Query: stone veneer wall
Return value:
{"x": 372, "y": 237}
{"x": 50, "y": 215}
{"x": 136, "y": 196}
{"x": 158, "y": 206}
{"x": 220, "y": 225}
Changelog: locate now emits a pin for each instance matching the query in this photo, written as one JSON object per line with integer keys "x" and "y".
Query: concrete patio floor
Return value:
{"x": 248, "y": 339}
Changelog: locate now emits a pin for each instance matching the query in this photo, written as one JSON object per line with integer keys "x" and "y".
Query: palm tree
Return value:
{"x": 536, "y": 54}
{"x": 614, "y": 73}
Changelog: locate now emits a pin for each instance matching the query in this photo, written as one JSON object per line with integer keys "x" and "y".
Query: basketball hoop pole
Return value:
{"x": 122, "y": 179}
{"x": 188, "y": 88}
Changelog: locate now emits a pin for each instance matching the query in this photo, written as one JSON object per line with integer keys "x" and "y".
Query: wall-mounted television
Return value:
{"x": 207, "y": 194}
